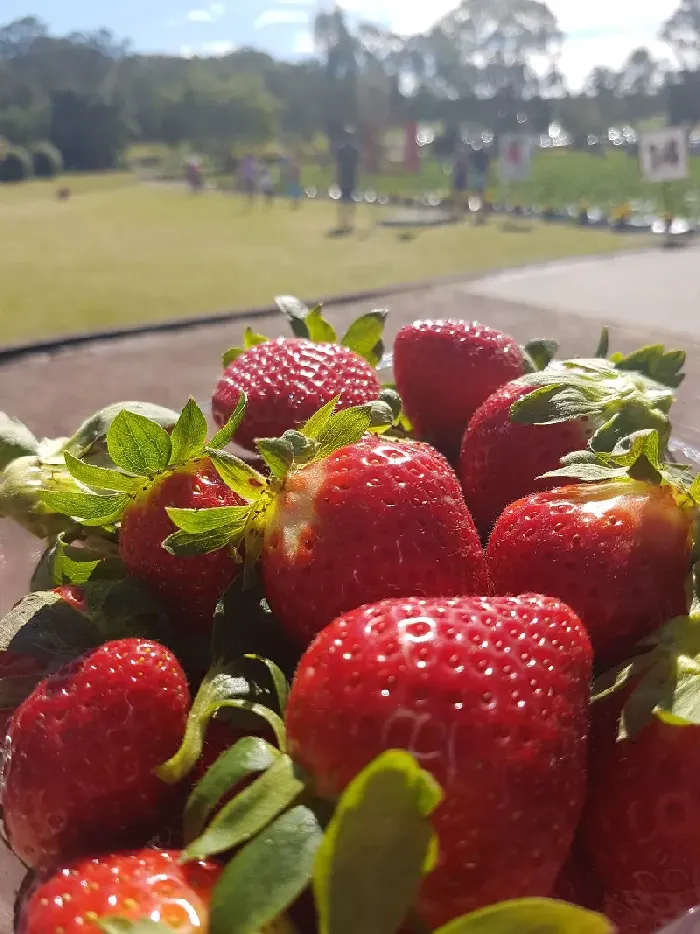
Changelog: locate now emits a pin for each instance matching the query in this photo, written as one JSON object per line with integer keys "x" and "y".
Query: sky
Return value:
{"x": 598, "y": 32}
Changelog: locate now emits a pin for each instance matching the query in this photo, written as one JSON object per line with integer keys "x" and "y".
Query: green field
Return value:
{"x": 120, "y": 252}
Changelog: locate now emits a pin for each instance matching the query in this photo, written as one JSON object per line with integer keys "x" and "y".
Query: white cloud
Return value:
{"x": 308, "y": 3}
{"x": 207, "y": 14}
{"x": 218, "y": 48}
{"x": 275, "y": 17}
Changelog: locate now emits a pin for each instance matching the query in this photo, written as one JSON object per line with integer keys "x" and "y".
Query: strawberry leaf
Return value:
{"x": 71, "y": 564}
{"x": 267, "y": 875}
{"x": 278, "y": 454}
{"x": 225, "y": 435}
{"x": 250, "y": 755}
{"x": 250, "y": 811}
{"x": 88, "y": 508}
{"x": 655, "y": 362}
{"x": 345, "y": 427}
{"x": 90, "y": 439}
{"x": 364, "y": 336}
{"x": 202, "y": 531}
{"x": 295, "y": 311}
{"x": 42, "y": 624}
{"x": 101, "y": 478}
{"x": 318, "y": 329}
{"x": 189, "y": 434}
{"x": 250, "y": 339}
{"x": 16, "y": 440}
{"x": 279, "y": 681}
{"x": 319, "y": 420}
{"x": 377, "y": 847}
{"x": 207, "y": 520}
{"x": 237, "y": 475}
{"x": 530, "y": 916}
{"x": 603, "y": 348}
{"x": 116, "y": 925}
{"x": 539, "y": 353}
{"x": 138, "y": 445}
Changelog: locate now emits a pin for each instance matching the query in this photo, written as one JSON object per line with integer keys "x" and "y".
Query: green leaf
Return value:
{"x": 279, "y": 681}
{"x": 268, "y": 874}
{"x": 187, "y": 545}
{"x": 78, "y": 565}
{"x": 101, "y": 478}
{"x": 319, "y": 420}
{"x": 364, "y": 336}
{"x": 318, "y": 329}
{"x": 250, "y": 811}
{"x": 138, "y": 445}
{"x": 295, "y": 311}
{"x": 90, "y": 438}
{"x": 551, "y": 404}
{"x": 225, "y": 435}
{"x": 655, "y": 362}
{"x": 207, "y": 520}
{"x": 603, "y": 348}
{"x": 586, "y": 472}
{"x": 238, "y": 476}
{"x": 277, "y": 454}
{"x": 89, "y": 508}
{"x": 42, "y": 624}
{"x": 377, "y": 847}
{"x": 539, "y": 353}
{"x": 218, "y": 685}
{"x": 189, "y": 434}
{"x": 345, "y": 427}
{"x": 530, "y": 916}
{"x": 16, "y": 440}
{"x": 250, "y": 755}
{"x": 117, "y": 925}
{"x": 250, "y": 339}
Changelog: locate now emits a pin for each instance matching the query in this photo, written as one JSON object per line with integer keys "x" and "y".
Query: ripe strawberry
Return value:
{"x": 286, "y": 380}
{"x": 527, "y": 426}
{"x": 158, "y": 471}
{"x": 139, "y": 885}
{"x": 375, "y": 519}
{"x": 618, "y": 552}
{"x": 444, "y": 370}
{"x": 641, "y": 822}
{"x": 20, "y": 666}
{"x": 79, "y": 759}
{"x": 189, "y": 588}
{"x": 501, "y": 460}
{"x": 490, "y": 695}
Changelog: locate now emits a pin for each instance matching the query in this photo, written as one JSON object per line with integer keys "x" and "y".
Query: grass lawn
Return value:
{"x": 119, "y": 252}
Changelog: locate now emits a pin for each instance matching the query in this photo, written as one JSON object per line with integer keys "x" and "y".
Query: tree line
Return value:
{"x": 491, "y": 63}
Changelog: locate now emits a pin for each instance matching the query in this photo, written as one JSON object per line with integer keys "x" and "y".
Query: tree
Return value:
{"x": 641, "y": 74}
{"x": 682, "y": 32}
{"x": 339, "y": 50}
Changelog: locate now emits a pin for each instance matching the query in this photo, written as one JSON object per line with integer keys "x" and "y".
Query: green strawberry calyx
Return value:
{"x": 615, "y": 396}
{"x": 364, "y": 336}
{"x": 204, "y": 530}
{"x": 142, "y": 451}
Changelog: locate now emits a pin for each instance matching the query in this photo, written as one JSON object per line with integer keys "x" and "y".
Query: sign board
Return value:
{"x": 663, "y": 155}
{"x": 515, "y": 157}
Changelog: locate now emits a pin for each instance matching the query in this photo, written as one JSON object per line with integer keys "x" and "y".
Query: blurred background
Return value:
{"x": 168, "y": 159}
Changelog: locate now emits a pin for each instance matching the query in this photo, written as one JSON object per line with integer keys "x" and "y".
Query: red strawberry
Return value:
{"x": 490, "y": 695}
{"x": 444, "y": 370}
{"x": 641, "y": 822}
{"x": 144, "y": 884}
{"x": 73, "y": 595}
{"x": 79, "y": 759}
{"x": 578, "y": 882}
{"x": 375, "y": 519}
{"x": 286, "y": 381}
{"x": 618, "y": 552}
{"x": 188, "y": 588}
{"x": 17, "y": 665}
{"x": 500, "y": 460}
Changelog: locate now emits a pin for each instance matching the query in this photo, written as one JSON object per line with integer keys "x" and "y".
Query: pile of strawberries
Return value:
{"x": 420, "y": 657}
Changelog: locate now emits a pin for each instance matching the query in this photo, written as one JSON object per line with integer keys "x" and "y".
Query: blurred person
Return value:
{"x": 293, "y": 182}
{"x": 193, "y": 174}
{"x": 460, "y": 174}
{"x": 267, "y": 183}
{"x": 248, "y": 170}
{"x": 347, "y": 162}
{"x": 479, "y": 160}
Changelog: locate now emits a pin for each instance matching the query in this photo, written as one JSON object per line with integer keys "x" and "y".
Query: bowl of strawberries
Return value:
{"x": 376, "y": 642}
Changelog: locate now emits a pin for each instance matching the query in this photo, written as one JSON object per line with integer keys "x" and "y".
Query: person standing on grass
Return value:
{"x": 249, "y": 177}
{"x": 460, "y": 172}
{"x": 267, "y": 183}
{"x": 347, "y": 162}
{"x": 293, "y": 182}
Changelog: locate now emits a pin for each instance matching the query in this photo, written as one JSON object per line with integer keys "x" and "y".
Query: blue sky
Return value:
{"x": 598, "y": 31}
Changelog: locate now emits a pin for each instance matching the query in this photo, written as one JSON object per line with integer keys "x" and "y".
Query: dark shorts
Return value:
{"x": 347, "y": 193}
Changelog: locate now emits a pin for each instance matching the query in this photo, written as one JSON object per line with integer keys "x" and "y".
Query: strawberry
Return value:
{"x": 287, "y": 379}
{"x": 641, "y": 822}
{"x": 17, "y": 665}
{"x": 444, "y": 370}
{"x": 524, "y": 429}
{"x": 501, "y": 461}
{"x": 81, "y": 749}
{"x": 73, "y": 595}
{"x": 158, "y": 471}
{"x": 490, "y": 695}
{"x": 348, "y": 518}
{"x": 139, "y": 885}
{"x": 618, "y": 551}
